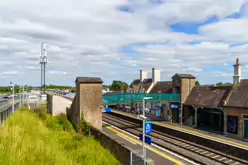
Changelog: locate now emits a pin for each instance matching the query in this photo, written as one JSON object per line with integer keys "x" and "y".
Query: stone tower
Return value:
{"x": 237, "y": 72}
{"x": 182, "y": 84}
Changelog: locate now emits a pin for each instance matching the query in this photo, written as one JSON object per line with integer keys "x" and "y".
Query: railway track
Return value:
{"x": 195, "y": 152}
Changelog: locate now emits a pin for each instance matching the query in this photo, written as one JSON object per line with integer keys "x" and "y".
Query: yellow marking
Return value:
{"x": 148, "y": 147}
{"x": 207, "y": 136}
{"x": 126, "y": 139}
{"x": 193, "y": 132}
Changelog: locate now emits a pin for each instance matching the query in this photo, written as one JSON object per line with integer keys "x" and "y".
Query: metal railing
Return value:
{"x": 6, "y": 110}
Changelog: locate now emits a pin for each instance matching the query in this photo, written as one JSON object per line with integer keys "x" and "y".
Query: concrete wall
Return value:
{"x": 239, "y": 112}
{"x": 57, "y": 105}
{"x": 119, "y": 150}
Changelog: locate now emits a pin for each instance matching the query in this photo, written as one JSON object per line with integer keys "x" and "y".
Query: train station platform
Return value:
{"x": 193, "y": 131}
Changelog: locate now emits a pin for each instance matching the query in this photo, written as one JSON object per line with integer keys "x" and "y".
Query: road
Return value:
{"x": 159, "y": 155}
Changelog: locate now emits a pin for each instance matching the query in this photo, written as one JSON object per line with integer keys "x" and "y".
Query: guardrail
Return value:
{"x": 8, "y": 104}
{"x": 6, "y": 110}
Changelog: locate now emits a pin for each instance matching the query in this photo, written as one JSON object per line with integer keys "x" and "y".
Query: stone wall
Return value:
{"x": 119, "y": 150}
{"x": 87, "y": 103}
{"x": 186, "y": 85}
{"x": 240, "y": 113}
{"x": 49, "y": 103}
{"x": 90, "y": 103}
{"x": 188, "y": 115}
{"x": 73, "y": 114}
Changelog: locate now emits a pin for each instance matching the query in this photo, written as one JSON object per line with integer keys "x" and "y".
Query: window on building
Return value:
{"x": 232, "y": 124}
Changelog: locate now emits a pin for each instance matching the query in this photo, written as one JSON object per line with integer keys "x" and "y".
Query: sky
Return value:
{"x": 114, "y": 39}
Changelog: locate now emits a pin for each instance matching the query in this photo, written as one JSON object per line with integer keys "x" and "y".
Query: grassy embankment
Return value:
{"x": 30, "y": 137}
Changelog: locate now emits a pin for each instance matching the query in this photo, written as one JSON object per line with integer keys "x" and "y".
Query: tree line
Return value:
{"x": 197, "y": 83}
{"x": 116, "y": 85}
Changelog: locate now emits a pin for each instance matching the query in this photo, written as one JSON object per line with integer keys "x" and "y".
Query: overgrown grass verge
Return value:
{"x": 30, "y": 137}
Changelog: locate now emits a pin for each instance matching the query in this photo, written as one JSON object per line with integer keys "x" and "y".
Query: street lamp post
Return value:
{"x": 23, "y": 95}
{"x": 143, "y": 138}
{"x": 20, "y": 96}
{"x": 13, "y": 97}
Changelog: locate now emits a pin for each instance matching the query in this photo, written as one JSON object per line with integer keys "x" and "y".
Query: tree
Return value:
{"x": 219, "y": 84}
{"x": 119, "y": 86}
{"x": 228, "y": 83}
{"x": 197, "y": 83}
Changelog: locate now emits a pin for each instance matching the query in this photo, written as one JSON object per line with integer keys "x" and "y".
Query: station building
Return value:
{"x": 219, "y": 109}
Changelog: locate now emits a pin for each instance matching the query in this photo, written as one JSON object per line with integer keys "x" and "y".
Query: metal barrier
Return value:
{"x": 6, "y": 110}
{"x": 136, "y": 159}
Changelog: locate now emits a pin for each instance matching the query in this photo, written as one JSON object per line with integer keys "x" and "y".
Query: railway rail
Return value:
{"x": 195, "y": 152}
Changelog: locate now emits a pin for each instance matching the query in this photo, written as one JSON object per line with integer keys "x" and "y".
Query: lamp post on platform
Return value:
{"x": 143, "y": 136}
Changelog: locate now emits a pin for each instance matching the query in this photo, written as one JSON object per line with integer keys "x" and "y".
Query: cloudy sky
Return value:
{"x": 114, "y": 39}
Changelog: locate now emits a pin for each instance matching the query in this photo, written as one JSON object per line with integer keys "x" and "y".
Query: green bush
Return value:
{"x": 84, "y": 128}
{"x": 41, "y": 111}
{"x": 60, "y": 123}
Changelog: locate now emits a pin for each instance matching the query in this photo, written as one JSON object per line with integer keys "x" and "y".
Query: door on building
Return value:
{"x": 246, "y": 128}
{"x": 175, "y": 115}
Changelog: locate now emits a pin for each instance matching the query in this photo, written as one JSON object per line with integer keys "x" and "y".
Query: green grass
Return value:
{"x": 30, "y": 137}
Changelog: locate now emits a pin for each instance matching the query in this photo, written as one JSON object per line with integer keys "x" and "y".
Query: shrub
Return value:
{"x": 60, "y": 123}
{"x": 41, "y": 112}
{"x": 84, "y": 127}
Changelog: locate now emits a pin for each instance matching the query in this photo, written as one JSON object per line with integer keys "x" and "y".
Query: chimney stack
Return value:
{"x": 143, "y": 75}
{"x": 155, "y": 75}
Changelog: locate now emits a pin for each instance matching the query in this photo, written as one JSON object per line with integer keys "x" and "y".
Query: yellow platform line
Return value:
{"x": 206, "y": 136}
{"x": 192, "y": 132}
{"x": 148, "y": 147}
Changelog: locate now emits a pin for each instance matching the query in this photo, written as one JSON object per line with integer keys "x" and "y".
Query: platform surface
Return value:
{"x": 194, "y": 131}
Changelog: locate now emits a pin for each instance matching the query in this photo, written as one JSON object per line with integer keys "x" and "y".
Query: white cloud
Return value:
{"x": 86, "y": 38}
{"x": 229, "y": 30}
{"x": 9, "y": 73}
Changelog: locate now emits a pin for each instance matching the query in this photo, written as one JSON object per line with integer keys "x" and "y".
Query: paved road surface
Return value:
{"x": 159, "y": 155}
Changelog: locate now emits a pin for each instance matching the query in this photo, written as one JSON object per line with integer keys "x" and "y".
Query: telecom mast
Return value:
{"x": 43, "y": 62}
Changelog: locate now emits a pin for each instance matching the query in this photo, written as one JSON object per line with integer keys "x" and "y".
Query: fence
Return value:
{"x": 136, "y": 159}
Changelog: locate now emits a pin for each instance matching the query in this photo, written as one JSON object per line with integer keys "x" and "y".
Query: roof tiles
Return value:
{"x": 239, "y": 95}
{"x": 208, "y": 96}
{"x": 162, "y": 87}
